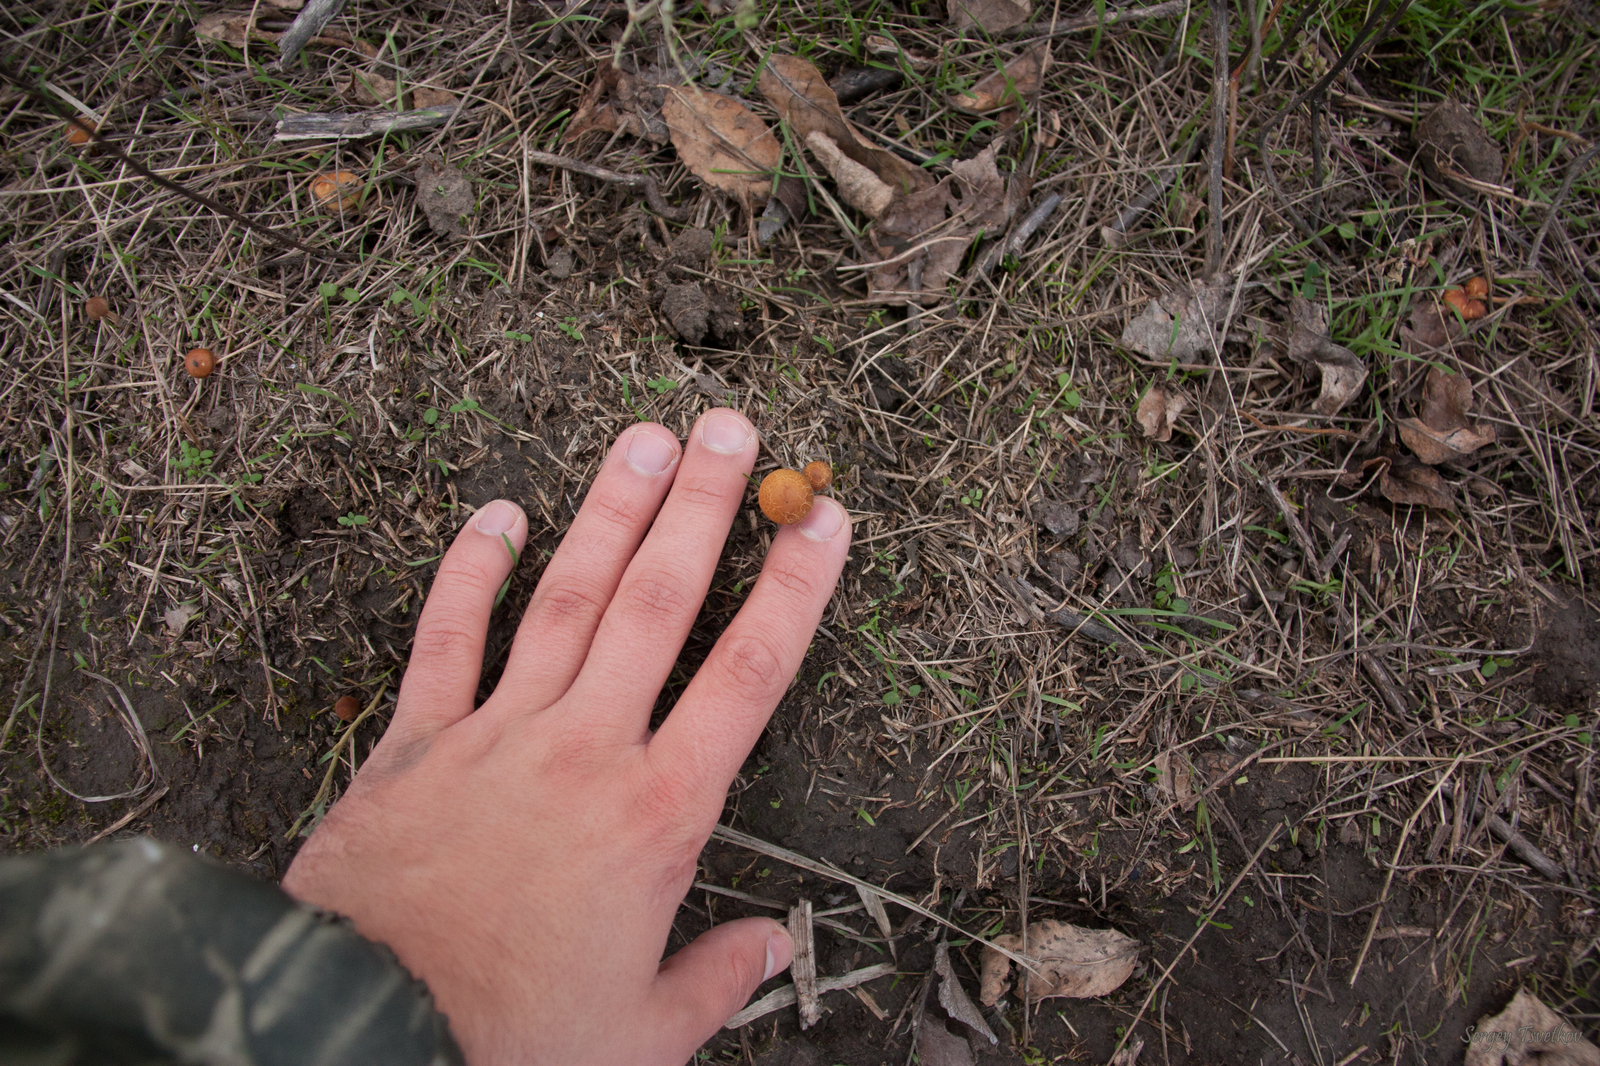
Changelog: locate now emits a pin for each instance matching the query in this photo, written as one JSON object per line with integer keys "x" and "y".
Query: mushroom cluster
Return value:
{"x": 786, "y": 495}
{"x": 1470, "y": 299}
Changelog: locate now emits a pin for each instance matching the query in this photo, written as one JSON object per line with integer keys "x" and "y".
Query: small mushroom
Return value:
{"x": 80, "y": 131}
{"x": 200, "y": 362}
{"x": 820, "y": 474}
{"x": 1468, "y": 308}
{"x": 98, "y": 308}
{"x": 1477, "y": 288}
{"x": 786, "y": 496}
{"x": 348, "y": 708}
{"x": 336, "y": 190}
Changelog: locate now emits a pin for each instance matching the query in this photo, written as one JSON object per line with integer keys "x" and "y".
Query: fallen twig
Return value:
{"x": 786, "y": 996}
{"x": 350, "y": 125}
{"x": 1515, "y": 842}
{"x": 803, "y": 968}
{"x": 312, "y": 18}
{"x": 652, "y": 192}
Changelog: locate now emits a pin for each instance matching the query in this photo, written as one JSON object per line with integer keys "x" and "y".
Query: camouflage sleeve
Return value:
{"x": 139, "y": 952}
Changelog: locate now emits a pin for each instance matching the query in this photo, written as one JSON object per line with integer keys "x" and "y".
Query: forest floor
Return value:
{"x": 1214, "y": 580}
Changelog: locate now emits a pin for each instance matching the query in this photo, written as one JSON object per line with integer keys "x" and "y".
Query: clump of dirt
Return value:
{"x": 1568, "y": 656}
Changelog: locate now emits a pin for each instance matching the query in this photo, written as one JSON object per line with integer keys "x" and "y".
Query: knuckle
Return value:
{"x": 445, "y": 634}
{"x": 567, "y": 603}
{"x": 615, "y": 509}
{"x": 750, "y": 665}
{"x": 794, "y": 576}
{"x": 465, "y": 575}
{"x": 700, "y": 493}
{"x": 656, "y": 596}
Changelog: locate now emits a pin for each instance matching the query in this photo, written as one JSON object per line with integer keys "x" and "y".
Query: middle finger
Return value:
{"x": 644, "y": 627}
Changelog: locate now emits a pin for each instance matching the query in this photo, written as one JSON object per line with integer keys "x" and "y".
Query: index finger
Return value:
{"x": 721, "y": 714}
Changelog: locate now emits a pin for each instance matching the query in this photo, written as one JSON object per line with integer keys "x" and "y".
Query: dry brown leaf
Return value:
{"x": 1071, "y": 961}
{"x": 1342, "y": 372}
{"x": 721, "y": 141}
{"x": 801, "y": 96}
{"x": 953, "y": 998}
{"x": 370, "y": 89}
{"x": 1177, "y": 784}
{"x": 1443, "y": 431}
{"x": 426, "y": 97}
{"x": 1527, "y": 1033}
{"x": 618, "y": 100}
{"x": 1021, "y": 80}
{"x": 232, "y": 27}
{"x": 1453, "y": 145}
{"x": 922, "y": 238}
{"x": 858, "y": 186}
{"x": 991, "y": 16}
{"x": 1179, "y": 325}
{"x": 1157, "y": 411}
{"x": 1408, "y": 482}
{"x": 1429, "y": 329}
{"x": 446, "y": 197}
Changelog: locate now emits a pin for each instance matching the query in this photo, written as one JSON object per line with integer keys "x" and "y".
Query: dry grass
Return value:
{"x": 1052, "y": 693}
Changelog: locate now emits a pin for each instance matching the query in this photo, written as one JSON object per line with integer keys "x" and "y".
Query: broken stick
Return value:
{"x": 804, "y": 966}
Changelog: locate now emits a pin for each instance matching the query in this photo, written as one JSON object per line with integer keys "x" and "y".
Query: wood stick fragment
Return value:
{"x": 1515, "y": 842}
{"x": 652, "y": 192}
{"x": 804, "y": 966}
{"x": 312, "y": 18}
{"x": 350, "y": 125}
{"x": 785, "y": 996}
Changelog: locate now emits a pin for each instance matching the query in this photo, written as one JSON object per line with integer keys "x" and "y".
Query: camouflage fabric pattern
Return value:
{"x": 140, "y": 952}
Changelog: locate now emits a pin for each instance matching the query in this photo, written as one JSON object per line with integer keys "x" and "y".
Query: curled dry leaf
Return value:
{"x": 858, "y": 186}
{"x": 1527, "y": 1033}
{"x": 721, "y": 141}
{"x": 1408, "y": 482}
{"x": 801, "y": 96}
{"x": 953, "y": 998}
{"x": 1453, "y": 145}
{"x": 990, "y": 16}
{"x": 371, "y": 90}
{"x": 1021, "y": 80}
{"x": 1443, "y": 431}
{"x": 1342, "y": 372}
{"x": 1128, "y": 1056}
{"x": 1429, "y": 329}
{"x": 922, "y": 238}
{"x": 423, "y": 96}
{"x": 618, "y": 100}
{"x": 178, "y": 618}
{"x": 1072, "y": 961}
{"x": 1176, "y": 783}
{"x": 1157, "y": 411}
{"x": 1178, "y": 325}
{"x": 446, "y": 197}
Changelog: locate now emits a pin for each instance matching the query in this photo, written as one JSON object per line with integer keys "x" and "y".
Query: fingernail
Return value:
{"x": 778, "y": 953}
{"x": 824, "y": 520}
{"x": 649, "y": 454}
{"x": 498, "y": 517}
{"x": 725, "y": 432}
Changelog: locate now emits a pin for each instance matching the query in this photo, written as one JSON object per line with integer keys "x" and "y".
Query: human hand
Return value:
{"x": 526, "y": 859}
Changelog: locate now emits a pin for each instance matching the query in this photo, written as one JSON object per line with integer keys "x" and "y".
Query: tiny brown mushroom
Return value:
{"x": 786, "y": 496}
{"x": 1477, "y": 288}
{"x": 347, "y": 708}
{"x": 98, "y": 308}
{"x": 200, "y": 362}
{"x": 1466, "y": 305}
{"x": 820, "y": 473}
{"x": 337, "y": 190}
{"x": 79, "y": 131}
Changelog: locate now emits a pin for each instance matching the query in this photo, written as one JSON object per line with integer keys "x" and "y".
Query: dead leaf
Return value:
{"x": 1453, "y": 145}
{"x": 721, "y": 141}
{"x": 1342, "y": 372}
{"x": 1428, "y": 329}
{"x": 1178, "y": 325}
{"x": 178, "y": 618}
{"x": 446, "y": 197}
{"x": 1443, "y": 431}
{"x": 371, "y": 89}
{"x": 800, "y": 95}
{"x": 937, "y": 1046}
{"x": 1159, "y": 408}
{"x": 1021, "y": 80}
{"x": 991, "y": 16}
{"x": 1408, "y": 482}
{"x": 922, "y": 237}
{"x": 426, "y": 97}
{"x": 1071, "y": 961}
{"x": 1527, "y": 1033}
{"x": 619, "y": 100}
{"x": 858, "y": 186}
{"x": 232, "y": 27}
{"x": 1128, "y": 1056}
{"x": 953, "y": 998}
{"x": 1176, "y": 782}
